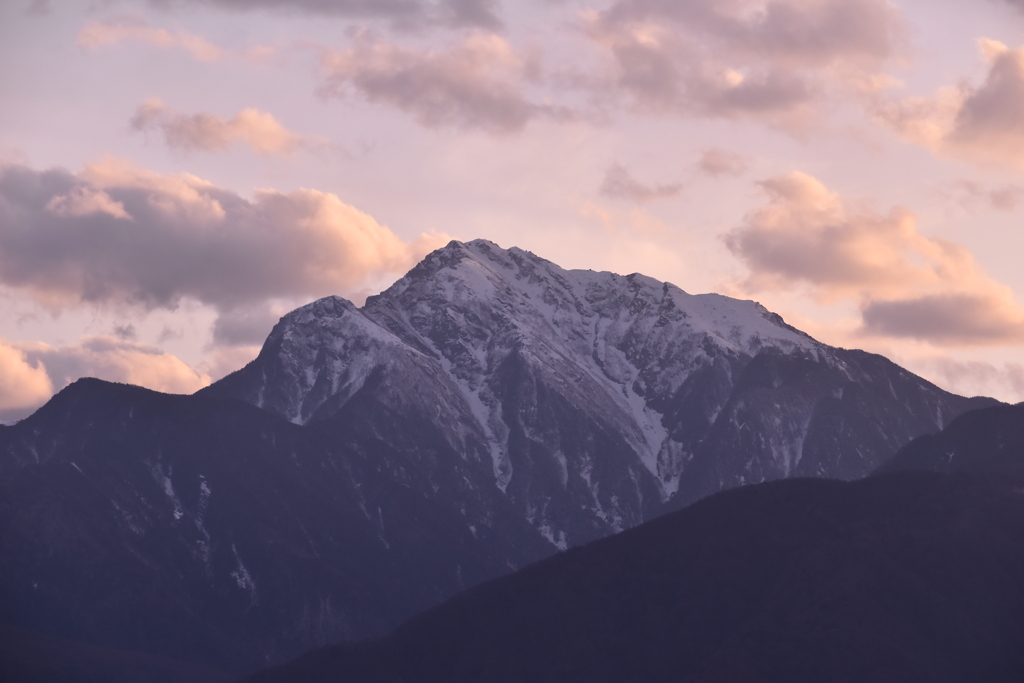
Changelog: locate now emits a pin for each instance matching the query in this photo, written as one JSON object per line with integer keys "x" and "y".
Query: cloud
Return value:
{"x": 1005, "y": 198}
{"x": 223, "y": 360}
{"x": 618, "y": 183}
{"x": 405, "y": 13}
{"x": 125, "y": 332}
{"x": 245, "y": 326}
{"x": 99, "y": 34}
{"x": 718, "y": 162}
{"x": 975, "y": 378}
{"x": 85, "y": 201}
{"x": 950, "y": 318}
{"x": 479, "y": 83}
{"x": 906, "y": 284}
{"x": 115, "y": 360}
{"x": 979, "y": 123}
{"x": 771, "y": 60}
{"x": 185, "y": 238}
{"x": 23, "y": 384}
{"x": 39, "y": 8}
{"x": 209, "y": 133}
{"x": 30, "y": 373}
{"x": 1017, "y": 4}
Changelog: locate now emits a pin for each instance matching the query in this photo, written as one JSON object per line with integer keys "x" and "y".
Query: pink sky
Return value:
{"x": 178, "y": 173}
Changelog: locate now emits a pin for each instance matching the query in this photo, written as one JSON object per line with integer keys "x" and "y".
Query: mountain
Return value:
{"x": 210, "y": 532}
{"x": 903, "y": 577}
{"x": 989, "y": 442}
{"x": 484, "y": 412}
{"x": 589, "y": 400}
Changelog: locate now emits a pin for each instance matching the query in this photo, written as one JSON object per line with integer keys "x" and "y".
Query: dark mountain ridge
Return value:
{"x": 905, "y": 576}
{"x": 209, "y": 531}
{"x": 989, "y": 441}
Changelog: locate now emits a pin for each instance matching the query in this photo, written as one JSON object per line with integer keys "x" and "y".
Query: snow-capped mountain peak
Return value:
{"x": 610, "y": 394}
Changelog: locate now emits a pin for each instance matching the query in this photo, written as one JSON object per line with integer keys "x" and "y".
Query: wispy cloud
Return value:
{"x": 1003, "y": 198}
{"x": 99, "y": 34}
{"x": 718, "y": 162}
{"x": 619, "y": 183}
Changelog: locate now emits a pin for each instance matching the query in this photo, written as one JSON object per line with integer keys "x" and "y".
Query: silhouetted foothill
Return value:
{"x": 901, "y": 577}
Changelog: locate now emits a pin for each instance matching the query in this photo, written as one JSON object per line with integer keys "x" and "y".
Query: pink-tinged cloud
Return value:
{"x": 950, "y": 319}
{"x": 408, "y": 14}
{"x": 619, "y": 183}
{"x": 30, "y": 373}
{"x": 978, "y": 123}
{"x": 23, "y": 384}
{"x": 85, "y": 201}
{"x": 203, "y": 132}
{"x": 115, "y": 360}
{"x": 479, "y": 83}
{"x": 734, "y": 58}
{"x": 907, "y": 285}
{"x": 98, "y": 34}
{"x": 186, "y": 238}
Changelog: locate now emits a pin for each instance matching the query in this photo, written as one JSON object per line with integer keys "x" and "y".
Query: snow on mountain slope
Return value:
{"x": 618, "y": 343}
{"x": 588, "y": 399}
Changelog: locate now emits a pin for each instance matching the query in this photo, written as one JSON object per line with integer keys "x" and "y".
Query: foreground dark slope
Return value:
{"x": 211, "y": 532}
{"x": 989, "y": 441}
{"x": 906, "y": 576}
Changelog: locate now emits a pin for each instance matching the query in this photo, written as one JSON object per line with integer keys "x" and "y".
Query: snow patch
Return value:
{"x": 165, "y": 481}
{"x": 242, "y": 577}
